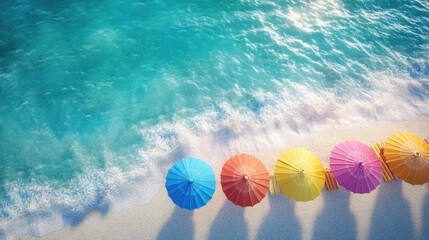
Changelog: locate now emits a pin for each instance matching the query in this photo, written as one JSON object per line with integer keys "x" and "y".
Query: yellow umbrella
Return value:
{"x": 300, "y": 174}
{"x": 408, "y": 157}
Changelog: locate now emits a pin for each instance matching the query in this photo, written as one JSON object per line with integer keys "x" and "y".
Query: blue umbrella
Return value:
{"x": 190, "y": 183}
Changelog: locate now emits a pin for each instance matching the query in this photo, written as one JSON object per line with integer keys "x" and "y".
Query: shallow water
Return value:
{"x": 99, "y": 98}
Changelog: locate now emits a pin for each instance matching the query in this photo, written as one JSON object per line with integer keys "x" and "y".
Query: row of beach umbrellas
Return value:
{"x": 299, "y": 173}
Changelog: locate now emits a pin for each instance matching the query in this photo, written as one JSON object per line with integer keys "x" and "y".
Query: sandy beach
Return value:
{"x": 395, "y": 210}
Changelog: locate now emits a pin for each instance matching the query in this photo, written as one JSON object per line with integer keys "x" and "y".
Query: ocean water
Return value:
{"x": 99, "y": 98}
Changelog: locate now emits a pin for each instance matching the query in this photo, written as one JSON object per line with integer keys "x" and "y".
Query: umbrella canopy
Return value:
{"x": 300, "y": 174}
{"x": 408, "y": 157}
{"x": 356, "y": 167}
{"x": 245, "y": 180}
{"x": 190, "y": 183}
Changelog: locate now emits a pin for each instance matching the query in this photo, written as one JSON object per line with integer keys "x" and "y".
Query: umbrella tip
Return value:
{"x": 245, "y": 177}
{"x": 302, "y": 172}
{"x": 190, "y": 180}
{"x": 416, "y": 154}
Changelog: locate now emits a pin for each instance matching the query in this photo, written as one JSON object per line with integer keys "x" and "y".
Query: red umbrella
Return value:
{"x": 245, "y": 180}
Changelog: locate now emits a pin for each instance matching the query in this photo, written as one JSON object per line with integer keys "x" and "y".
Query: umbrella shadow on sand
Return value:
{"x": 229, "y": 223}
{"x": 179, "y": 226}
{"x": 280, "y": 222}
{"x": 336, "y": 221}
{"x": 425, "y": 220}
{"x": 391, "y": 218}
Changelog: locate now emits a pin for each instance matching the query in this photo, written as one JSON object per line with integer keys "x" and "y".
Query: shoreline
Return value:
{"x": 383, "y": 207}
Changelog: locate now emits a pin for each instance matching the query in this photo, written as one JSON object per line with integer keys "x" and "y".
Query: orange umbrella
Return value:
{"x": 245, "y": 180}
{"x": 408, "y": 157}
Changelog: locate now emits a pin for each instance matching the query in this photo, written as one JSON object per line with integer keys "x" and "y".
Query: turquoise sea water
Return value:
{"x": 99, "y": 98}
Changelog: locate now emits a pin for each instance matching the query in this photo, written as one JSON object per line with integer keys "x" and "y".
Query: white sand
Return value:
{"x": 395, "y": 210}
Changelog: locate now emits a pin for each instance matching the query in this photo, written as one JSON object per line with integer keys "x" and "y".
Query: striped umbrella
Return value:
{"x": 378, "y": 149}
{"x": 330, "y": 181}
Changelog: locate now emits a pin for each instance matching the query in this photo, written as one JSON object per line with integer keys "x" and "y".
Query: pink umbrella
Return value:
{"x": 356, "y": 167}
